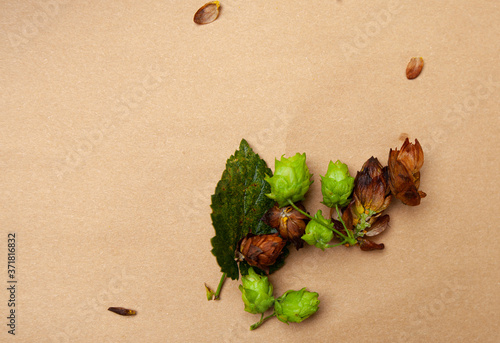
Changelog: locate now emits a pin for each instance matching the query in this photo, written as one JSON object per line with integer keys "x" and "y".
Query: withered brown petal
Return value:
{"x": 367, "y": 245}
{"x": 296, "y": 229}
{"x": 370, "y": 186}
{"x": 339, "y": 227}
{"x": 122, "y": 311}
{"x": 207, "y": 13}
{"x": 411, "y": 155}
{"x": 414, "y": 67}
{"x": 379, "y": 226}
{"x": 372, "y": 167}
{"x": 272, "y": 216}
{"x": 349, "y": 214}
{"x": 385, "y": 175}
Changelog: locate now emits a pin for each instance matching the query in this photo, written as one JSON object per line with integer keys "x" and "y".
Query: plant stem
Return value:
{"x": 219, "y": 288}
{"x": 261, "y": 321}
{"x": 298, "y": 209}
{"x": 336, "y": 245}
{"x": 348, "y": 238}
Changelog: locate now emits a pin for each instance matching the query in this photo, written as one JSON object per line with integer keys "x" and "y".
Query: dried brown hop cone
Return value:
{"x": 260, "y": 251}
{"x": 371, "y": 196}
{"x": 290, "y": 223}
{"x": 371, "y": 187}
{"x": 404, "y": 172}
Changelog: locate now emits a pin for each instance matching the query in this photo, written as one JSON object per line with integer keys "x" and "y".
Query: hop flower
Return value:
{"x": 371, "y": 187}
{"x": 295, "y": 306}
{"x": 260, "y": 251}
{"x": 291, "y": 179}
{"x": 256, "y": 292}
{"x": 404, "y": 172}
{"x": 371, "y": 196}
{"x": 290, "y": 223}
{"x": 317, "y": 234}
{"x": 336, "y": 185}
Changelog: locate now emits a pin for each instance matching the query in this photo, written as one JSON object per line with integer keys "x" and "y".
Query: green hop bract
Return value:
{"x": 317, "y": 234}
{"x": 295, "y": 306}
{"x": 336, "y": 185}
{"x": 291, "y": 179}
{"x": 256, "y": 292}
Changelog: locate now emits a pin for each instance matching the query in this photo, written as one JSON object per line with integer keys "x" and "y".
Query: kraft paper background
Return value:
{"x": 116, "y": 119}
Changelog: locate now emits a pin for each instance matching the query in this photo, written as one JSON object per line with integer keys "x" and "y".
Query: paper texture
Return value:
{"x": 116, "y": 121}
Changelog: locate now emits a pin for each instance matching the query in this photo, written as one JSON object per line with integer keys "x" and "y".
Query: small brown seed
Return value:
{"x": 414, "y": 67}
{"x": 207, "y": 13}
{"x": 122, "y": 311}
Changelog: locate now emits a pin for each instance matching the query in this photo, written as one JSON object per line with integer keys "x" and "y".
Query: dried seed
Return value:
{"x": 122, "y": 311}
{"x": 207, "y": 13}
{"x": 414, "y": 67}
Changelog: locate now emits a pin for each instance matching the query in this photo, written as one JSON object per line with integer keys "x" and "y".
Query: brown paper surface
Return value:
{"x": 116, "y": 121}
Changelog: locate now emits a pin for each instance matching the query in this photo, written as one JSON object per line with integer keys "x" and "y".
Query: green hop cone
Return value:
{"x": 256, "y": 292}
{"x": 317, "y": 234}
{"x": 295, "y": 306}
{"x": 337, "y": 185}
{"x": 291, "y": 179}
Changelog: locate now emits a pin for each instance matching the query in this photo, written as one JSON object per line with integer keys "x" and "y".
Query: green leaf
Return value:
{"x": 238, "y": 204}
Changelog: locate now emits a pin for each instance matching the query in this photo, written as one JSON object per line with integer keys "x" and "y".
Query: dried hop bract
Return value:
{"x": 207, "y": 13}
{"x": 414, "y": 67}
{"x": 291, "y": 179}
{"x": 260, "y": 251}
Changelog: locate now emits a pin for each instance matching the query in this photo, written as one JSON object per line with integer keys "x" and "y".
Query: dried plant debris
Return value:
{"x": 207, "y": 13}
{"x": 290, "y": 223}
{"x": 122, "y": 311}
{"x": 260, "y": 251}
{"x": 414, "y": 67}
{"x": 404, "y": 172}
